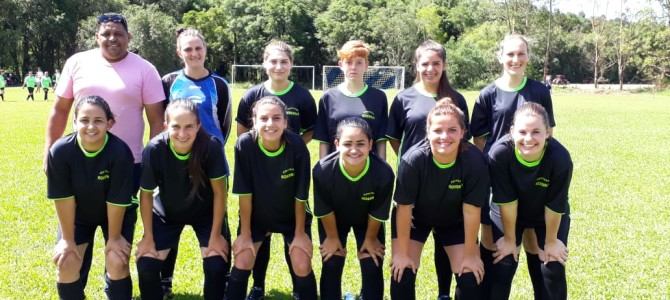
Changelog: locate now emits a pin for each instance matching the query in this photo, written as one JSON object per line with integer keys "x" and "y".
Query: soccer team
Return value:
{"x": 480, "y": 200}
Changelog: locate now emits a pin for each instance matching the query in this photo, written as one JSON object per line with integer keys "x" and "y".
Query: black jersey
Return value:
{"x": 438, "y": 192}
{"x": 93, "y": 179}
{"x": 352, "y": 199}
{"x": 407, "y": 118}
{"x": 212, "y": 94}
{"x": 535, "y": 185}
{"x": 275, "y": 180}
{"x": 162, "y": 167}
{"x": 335, "y": 106}
{"x": 300, "y": 106}
{"x": 494, "y": 109}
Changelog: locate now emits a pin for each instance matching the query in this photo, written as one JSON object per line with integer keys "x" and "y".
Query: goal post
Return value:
{"x": 381, "y": 77}
{"x": 255, "y": 74}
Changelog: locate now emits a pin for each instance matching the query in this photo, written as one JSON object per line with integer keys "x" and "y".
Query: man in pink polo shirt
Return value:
{"x": 130, "y": 85}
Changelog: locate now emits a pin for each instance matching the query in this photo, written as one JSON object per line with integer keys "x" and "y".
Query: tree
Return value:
{"x": 343, "y": 21}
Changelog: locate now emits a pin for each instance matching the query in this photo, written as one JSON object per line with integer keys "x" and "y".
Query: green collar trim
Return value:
{"x": 282, "y": 92}
{"x": 93, "y": 154}
{"x": 356, "y": 94}
{"x": 518, "y": 88}
{"x": 443, "y": 166}
{"x": 177, "y": 155}
{"x": 357, "y": 178}
{"x": 526, "y": 163}
{"x": 268, "y": 152}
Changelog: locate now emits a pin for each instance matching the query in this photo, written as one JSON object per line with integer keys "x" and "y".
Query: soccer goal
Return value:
{"x": 255, "y": 74}
{"x": 381, "y": 77}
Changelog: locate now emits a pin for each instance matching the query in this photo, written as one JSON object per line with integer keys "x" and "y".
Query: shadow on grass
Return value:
{"x": 277, "y": 295}
{"x": 180, "y": 296}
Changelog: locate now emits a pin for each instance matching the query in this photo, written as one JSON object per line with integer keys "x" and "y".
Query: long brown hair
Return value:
{"x": 444, "y": 88}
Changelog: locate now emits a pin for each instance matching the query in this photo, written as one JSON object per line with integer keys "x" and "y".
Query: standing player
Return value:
{"x": 212, "y": 94}
{"x": 491, "y": 119}
{"x": 352, "y": 98}
{"x": 188, "y": 166}
{"x": 442, "y": 182}
{"x": 352, "y": 190}
{"x": 89, "y": 177}
{"x": 272, "y": 181}
{"x": 3, "y": 83}
{"x": 531, "y": 173}
{"x": 301, "y": 110}
{"x": 407, "y": 122}
{"x": 46, "y": 84}
{"x": 30, "y": 82}
{"x": 125, "y": 80}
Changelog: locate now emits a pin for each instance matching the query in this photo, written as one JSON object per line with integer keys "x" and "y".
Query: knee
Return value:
{"x": 244, "y": 261}
{"x": 504, "y": 270}
{"x": 148, "y": 265}
{"x": 334, "y": 264}
{"x": 214, "y": 264}
{"x": 466, "y": 280}
{"x": 68, "y": 269}
{"x": 553, "y": 270}
{"x": 302, "y": 266}
{"x": 369, "y": 268}
{"x": 117, "y": 267}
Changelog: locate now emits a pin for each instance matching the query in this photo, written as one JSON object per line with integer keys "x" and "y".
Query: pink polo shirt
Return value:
{"x": 127, "y": 85}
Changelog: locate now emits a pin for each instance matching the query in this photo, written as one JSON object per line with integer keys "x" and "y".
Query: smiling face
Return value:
{"x": 277, "y": 65}
{"x": 192, "y": 51}
{"x": 182, "y": 126}
{"x": 112, "y": 38}
{"x": 444, "y": 134}
{"x": 530, "y": 135}
{"x": 354, "y": 146}
{"x": 429, "y": 67}
{"x": 270, "y": 124}
{"x": 514, "y": 56}
{"x": 353, "y": 68}
{"x": 91, "y": 125}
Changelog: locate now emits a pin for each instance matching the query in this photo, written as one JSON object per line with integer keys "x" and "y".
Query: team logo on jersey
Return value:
{"x": 368, "y": 115}
{"x": 368, "y": 196}
{"x": 455, "y": 184}
{"x": 288, "y": 173}
{"x": 292, "y": 111}
{"x": 542, "y": 182}
{"x": 103, "y": 175}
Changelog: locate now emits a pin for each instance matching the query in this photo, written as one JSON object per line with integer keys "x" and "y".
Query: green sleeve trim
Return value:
{"x": 63, "y": 198}
{"x": 147, "y": 190}
{"x": 242, "y": 194}
{"x": 558, "y": 213}
{"x": 95, "y": 153}
{"x": 320, "y": 141}
{"x": 321, "y": 216}
{"x": 483, "y": 135}
{"x": 357, "y": 178}
{"x": 268, "y": 152}
{"x": 376, "y": 219}
{"x": 219, "y": 178}
{"x": 383, "y": 139}
{"x": 301, "y": 200}
{"x": 177, "y": 155}
{"x": 526, "y": 163}
{"x": 119, "y": 205}
{"x": 134, "y": 200}
{"x": 504, "y": 203}
{"x": 391, "y": 138}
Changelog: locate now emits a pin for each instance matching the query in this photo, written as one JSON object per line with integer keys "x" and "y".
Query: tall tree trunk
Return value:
{"x": 545, "y": 70}
{"x": 620, "y": 63}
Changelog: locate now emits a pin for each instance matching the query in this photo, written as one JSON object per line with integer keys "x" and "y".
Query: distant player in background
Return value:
{"x": 30, "y": 82}
{"x": 46, "y": 84}
{"x": 3, "y": 83}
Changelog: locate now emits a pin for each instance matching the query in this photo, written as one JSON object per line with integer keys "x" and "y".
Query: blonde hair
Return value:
{"x": 184, "y": 32}
{"x": 353, "y": 48}
{"x": 511, "y": 37}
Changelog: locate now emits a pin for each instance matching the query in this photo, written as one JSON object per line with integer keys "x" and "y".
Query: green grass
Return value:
{"x": 620, "y": 199}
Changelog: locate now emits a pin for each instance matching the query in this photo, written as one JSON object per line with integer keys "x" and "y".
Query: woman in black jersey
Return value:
{"x": 491, "y": 119}
{"x": 184, "y": 182}
{"x": 89, "y": 177}
{"x": 531, "y": 173}
{"x": 352, "y": 98}
{"x": 441, "y": 184}
{"x": 352, "y": 190}
{"x": 407, "y": 122}
{"x": 301, "y": 111}
{"x": 272, "y": 182}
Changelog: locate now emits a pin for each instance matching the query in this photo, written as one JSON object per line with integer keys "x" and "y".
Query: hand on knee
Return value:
{"x": 68, "y": 269}
{"x": 117, "y": 267}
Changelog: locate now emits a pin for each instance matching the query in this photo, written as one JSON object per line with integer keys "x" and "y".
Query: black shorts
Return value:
{"x": 84, "y": 233}
{"x": 260, "y": 231}
{"x": 485, "y": 217}
{"x": 448, "y": 235}
{"x": 540, "y": 232}
{"x": 166, "y": 233}
{"x": 359, "y": 234}
{"x": 30, "y": 90}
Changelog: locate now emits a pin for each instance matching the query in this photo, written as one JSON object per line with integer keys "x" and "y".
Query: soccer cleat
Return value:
{"x": 256, "y": 293}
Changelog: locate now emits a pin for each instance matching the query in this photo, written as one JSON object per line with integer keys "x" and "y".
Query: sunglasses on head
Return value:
{"x": 114, "y": 18}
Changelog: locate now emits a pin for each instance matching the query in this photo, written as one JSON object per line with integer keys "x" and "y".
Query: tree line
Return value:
{"x": 632, "y": 47}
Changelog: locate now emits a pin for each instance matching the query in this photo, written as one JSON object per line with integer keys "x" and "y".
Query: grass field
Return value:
{"x": 620, "y": 198}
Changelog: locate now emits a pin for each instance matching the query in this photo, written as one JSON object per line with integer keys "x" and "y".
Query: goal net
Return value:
{"x": 381, "y": 77}
{"x": 255, "y": 74}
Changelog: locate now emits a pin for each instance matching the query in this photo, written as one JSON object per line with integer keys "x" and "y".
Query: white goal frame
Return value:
{"x": 398, "y": 74}
{"x": 233, "y": 67}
